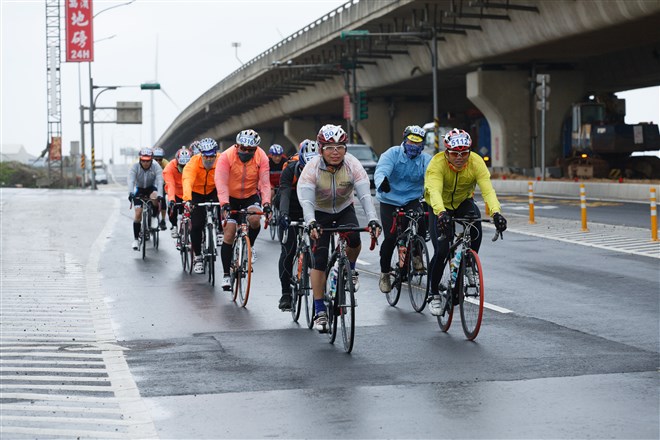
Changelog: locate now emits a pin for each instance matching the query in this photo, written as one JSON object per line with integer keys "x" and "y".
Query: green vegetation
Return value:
{"x": 15, "y": 174}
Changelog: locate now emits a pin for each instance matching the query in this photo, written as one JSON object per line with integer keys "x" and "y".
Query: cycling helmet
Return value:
{"x": 158, "y": 153}
{"x": 183, "y": 156}
{"x": 276, "y": 150}
{"x": 331, "y": 134}
{"x": 146, "y": 154}
{"x": 414, "y": 133}
{"x": 194, "y": 147}
{"x": 248, "y": 138}
{"x": 208, "y": 147}
{"x": 308, "y": 149}
{"x": 457, "y": 140}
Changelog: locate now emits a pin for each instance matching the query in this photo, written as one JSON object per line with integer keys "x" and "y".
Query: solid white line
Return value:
{"x": 53, "y": 369}
{"x": 83, "y": 388}
{"x": 67, "y": 378}
{"x": 71, "y": 433}
{"x": 59, "y": 409}
{"x": 57, "y": 355}
{"x": 67, "y": 420}
{"x": 58, "y": 397}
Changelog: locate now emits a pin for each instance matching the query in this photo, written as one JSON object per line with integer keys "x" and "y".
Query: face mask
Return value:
{"x": 411, "y": 150}
{"x": 180, "y": 167}
{"x": 245, "y": 156}
{"x": 208, "y": 164}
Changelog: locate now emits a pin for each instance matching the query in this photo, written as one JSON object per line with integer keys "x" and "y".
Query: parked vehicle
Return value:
{"x": 101, "y": 176}
{"x": 367, "y": 157}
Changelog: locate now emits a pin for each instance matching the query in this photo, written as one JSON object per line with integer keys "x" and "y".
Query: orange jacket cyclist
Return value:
{"x": 449, "y": 190}
{"x": 199, "y": 187}
{"x": 172, "y": 175}
{"x": 242, "y": 175}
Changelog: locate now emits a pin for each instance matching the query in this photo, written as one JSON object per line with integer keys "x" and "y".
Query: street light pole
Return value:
{"x": 92, "y": 107}
{"x": 436, "y": 119}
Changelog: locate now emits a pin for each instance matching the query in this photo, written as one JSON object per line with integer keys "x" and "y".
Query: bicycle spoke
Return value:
{"x": 396, "y": 278}
{"x": 444, "y": 320}
{"x": 417, "y": 268}
{"x": 346, "y": 305}
{"x": 472, "y": 294}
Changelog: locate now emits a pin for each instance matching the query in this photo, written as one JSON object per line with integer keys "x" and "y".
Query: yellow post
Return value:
{"x": 531, "y": 202}
{"x": 654, "y": 217}
{"x": 583, "y": 207}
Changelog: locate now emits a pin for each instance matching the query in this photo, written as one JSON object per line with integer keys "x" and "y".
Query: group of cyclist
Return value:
{"x": 318, "y": 185}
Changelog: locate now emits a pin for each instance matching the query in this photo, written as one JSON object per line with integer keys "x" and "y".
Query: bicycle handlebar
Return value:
{"x": 345, "y": 229}
{"x": 411, "y": 214}
{"x": 248, "y": 213}
{"x": 498, "y": 234}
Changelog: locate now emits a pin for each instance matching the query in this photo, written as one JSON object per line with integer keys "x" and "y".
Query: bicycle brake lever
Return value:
{"x": 498, "y": 234}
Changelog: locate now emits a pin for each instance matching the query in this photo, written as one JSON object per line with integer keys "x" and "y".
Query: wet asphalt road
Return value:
{"x": 575, "y": 355}
{"x": 570, "y": 352}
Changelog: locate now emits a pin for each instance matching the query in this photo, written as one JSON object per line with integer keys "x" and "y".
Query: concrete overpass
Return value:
{"x": 489, "y": 53}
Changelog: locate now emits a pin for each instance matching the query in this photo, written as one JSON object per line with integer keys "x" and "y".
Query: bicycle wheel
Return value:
{"x": 183, "y": 243}
{"x": 444, "y": 320}
{"x": 190, "y": 250}
{"x": 296, "y": 279}
{"x": 154, "y": 236}
{"x": 396, "y": 275}
{"x": 210, "y": 253}
{"x": 245, "y": 271}
{"x": 418, "y": 282}
{"x": 471, "y": 297}
{"x": 273, "y": 224}
{"x": 234, "y": 268}
{"x": 305, "y": 293}
{"x": 346, "y": 304}
{"x": 330, "y": 299}
{"x": 144, "y": 231}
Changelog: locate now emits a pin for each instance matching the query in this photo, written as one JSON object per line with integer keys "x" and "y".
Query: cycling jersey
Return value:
{"x": 240, "y": 180}
{"x": 276, "y": 170}
{"x": 331, "y": 191}
{"x": 173, "y": 184}
{"x": 446, "y": 189}
{"x": 138, "y": 177}
{"x": 289, "y": 204}
{"x": 196, "y": 178}
{"x": 405, "y": 175}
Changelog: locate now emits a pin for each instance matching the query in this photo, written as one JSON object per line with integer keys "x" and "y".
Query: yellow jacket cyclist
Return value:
{"x": 449, "y": 184}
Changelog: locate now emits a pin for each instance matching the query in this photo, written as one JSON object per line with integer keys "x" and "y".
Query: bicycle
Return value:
{"x": 410, "y": 260}
{"x": 209, "y": 237}
{"x": 339, "y": 292}
{"x": 240, "y": 271}
{"x": 145, "y": 227}
{"x": 462, "y": 281}
{"x": 301, "y": 286}
{"x": 183, "y": 243}
{"x": 274, "y": 223}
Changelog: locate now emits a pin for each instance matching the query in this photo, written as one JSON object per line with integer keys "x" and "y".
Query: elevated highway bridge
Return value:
{"x": 489, "y": 54}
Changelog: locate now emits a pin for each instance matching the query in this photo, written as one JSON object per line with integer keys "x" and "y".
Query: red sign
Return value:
{"x": 79, "y": 35}
{"x": 347, "y": 107}
{"x": 55, "y": 150}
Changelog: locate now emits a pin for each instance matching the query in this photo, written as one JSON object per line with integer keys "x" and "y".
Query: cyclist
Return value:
{"x": 159, "y": 158}
{"x": 172, "y": 176}
{"x": 199, "y": 187}
{"x": 399, "y": 179}
{"x": 325, "y": 191}
{"x": 241, "y": 177}
{"x": 449, "y": 190}
{"x": 290, "y": 208}
{"x": 145, "y": 179}
{"x": 194, "y": 146}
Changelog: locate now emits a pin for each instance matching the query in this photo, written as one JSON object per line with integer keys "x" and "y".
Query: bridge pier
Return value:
{"x": 388, "y": 119}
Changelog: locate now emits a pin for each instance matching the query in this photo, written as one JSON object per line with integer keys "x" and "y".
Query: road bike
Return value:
{"x": 303, "y": 263}
{"x": 240, "y": 271}
{"x": 339, "y": 294}
{"x": 209, "y": 239}
{"x": 462, "y": 281}
{"x": 145, "y": 227}
{"x": 410, "y": 260}
{"x": 183, "y": 243}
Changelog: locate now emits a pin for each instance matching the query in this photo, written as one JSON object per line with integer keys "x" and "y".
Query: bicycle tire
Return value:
{"x": 346, "y": 304}
{"x": 330, "y": 302}
{"x": 154, "y": 236}
{"x": 245, "y": 271}
{"x": 396, "y": 279}
{"x": 210, "y": 253}
{"x": 273, "y": 224}
{"x": 418, "y": 281}
{"x": 307, "y": 297}
{"x": 183, "y": 243}
{"x": 296, "y": 281}
{"x": 444, "y": 320}
{"x": 144, "y": 230}
{"x": 471, "y": 296}
{"x": 234, "y": 268}
{"x": 191, "y": 252}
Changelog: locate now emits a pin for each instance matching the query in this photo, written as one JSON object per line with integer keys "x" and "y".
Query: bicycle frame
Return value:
{"x": 209, "y": 238}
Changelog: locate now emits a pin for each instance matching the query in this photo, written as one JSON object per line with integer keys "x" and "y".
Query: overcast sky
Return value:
{"x": 193, "y": 43}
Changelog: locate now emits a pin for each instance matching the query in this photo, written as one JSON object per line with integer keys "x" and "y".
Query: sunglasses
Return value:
{"x": 335, "y": 148}
{"x": 458, "y": 153}
{"x": 246, "y": 149}
{"x": 205, "y": 157}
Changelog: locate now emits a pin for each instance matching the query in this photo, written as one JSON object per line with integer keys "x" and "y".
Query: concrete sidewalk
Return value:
{"x": 621, "y": 192}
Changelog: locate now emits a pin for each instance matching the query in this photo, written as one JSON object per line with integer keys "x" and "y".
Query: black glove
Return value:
{"x": 313, "y": 225}
{"x": 267, "y": 209}
{"x": 226, "y": 208}
{"x": 385, "y": 186}
{"x": 284, "y": 221}
{"x": 131, "y": 196}
{"x": 500, "y": 222}
{"x": 444, "y": 223}
{"x": 171, "y": 204}
{"x": 374, "y": 226}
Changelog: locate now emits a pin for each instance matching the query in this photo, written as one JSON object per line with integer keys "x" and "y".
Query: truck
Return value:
{"x": 598, "y": 143}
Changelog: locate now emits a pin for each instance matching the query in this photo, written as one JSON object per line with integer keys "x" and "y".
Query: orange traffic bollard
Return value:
{"x": 654, "y": 217}
{"x": 583, "y": 207}
{"x": 531, "y": 203}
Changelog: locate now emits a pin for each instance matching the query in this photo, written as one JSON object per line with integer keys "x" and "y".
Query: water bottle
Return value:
{"x": 333, "y": 281}
{"x": 402, "y": 253}
{"x": 454, "y": 264}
